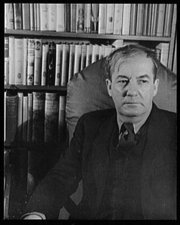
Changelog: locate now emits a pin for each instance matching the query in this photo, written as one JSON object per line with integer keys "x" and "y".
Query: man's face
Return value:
{"x": 132, "y": 87}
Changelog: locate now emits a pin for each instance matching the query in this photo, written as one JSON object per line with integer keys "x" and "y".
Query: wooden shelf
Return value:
{"x": 55, "y": 35}
{"x": 31, "y": 88}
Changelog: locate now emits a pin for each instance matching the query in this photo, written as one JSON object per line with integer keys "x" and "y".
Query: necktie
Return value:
{"x": 127, "y": 136}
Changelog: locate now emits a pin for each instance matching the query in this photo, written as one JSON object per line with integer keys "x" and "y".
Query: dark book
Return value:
{"x": 51, "y": 64}
{"x": 67, "y": 17}
{"x": 17, "y": 16}
{"x": 38, "y": 117}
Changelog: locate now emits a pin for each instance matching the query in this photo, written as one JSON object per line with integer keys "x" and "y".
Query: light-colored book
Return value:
{"x": 6, "y": 60}
{"x": 140, "y": 19}
{"x": 38, "y": 16}
{"x": 118, "y": 18}
{"x": 95, "y": 53}
{"x": 9, "y": 16}
{"x": 30, "y": 64}
{"x": 37, "y": 61}
{"x": 65, "y": 64}
{"x": 80, "y": 18}
{"x": 60, "y": 17}
{"x": 43, "y": 17}
{"x": 18, "y": 45}
{"x": 83, "y": 56}
{"x": 45, "y": 49}
{"x": 20, "y": 116}
{"x": 35, "y": 15}
{"x": 77, "y": 58}
{"x": 150, "y": 14}
{"x": 168, "y": 20}
{"x": 160, "y": 19}
{"x": 71, "y": 61}
{"x": 118, "y": 43}
{"x": 101, "y": 51}
{"x": 164, "y": 53}
{"x": 11, "y": 60}
{"x": 87, "y": 18}
{"x": 110, "y": 18}
{"x": 89, "y": 55}
{"x": 52, "y": 17}
{"x": 102, "y": 19}
{"x": 126, "y": 19}
{"x": 26, "y": 16}
{"x": 58, "y": 66}
{"x": 25, "y": 61}
{"x": 94, "y": 18}
{"x": 32, "y": 17}
{"x": 108, "y": 50}
{"x": 154, "y": 19}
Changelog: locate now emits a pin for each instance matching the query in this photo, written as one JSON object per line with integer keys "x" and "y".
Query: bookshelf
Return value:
{"x": 87, "y": 34}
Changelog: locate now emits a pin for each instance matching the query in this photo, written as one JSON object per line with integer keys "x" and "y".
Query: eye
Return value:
{"x": 123, "y": 81}
{"x": 143, "y": 81}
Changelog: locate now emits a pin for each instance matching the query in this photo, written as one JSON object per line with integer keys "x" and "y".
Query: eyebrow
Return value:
{"x": 139, "y": 77}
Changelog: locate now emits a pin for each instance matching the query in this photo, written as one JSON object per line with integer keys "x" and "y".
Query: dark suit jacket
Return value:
{"x": 87, "y": 159}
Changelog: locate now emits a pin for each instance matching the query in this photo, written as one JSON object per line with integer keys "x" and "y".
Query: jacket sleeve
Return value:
{"x": 52, "y": 192}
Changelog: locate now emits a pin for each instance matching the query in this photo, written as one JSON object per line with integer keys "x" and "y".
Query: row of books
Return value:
{"x": 34, "y": 118}
{"x": 123, "y": 19}
{"x": 32, "y": 62}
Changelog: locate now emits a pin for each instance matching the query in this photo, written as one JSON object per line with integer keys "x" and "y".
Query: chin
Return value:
{"x": 131, "y": 113}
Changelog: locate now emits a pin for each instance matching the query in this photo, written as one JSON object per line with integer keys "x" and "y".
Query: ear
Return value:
{"x": 156, "y": 85}
{"x": 108, "y": 85}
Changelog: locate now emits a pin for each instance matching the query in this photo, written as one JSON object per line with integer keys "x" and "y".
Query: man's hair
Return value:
{"x": 129, "y": 51}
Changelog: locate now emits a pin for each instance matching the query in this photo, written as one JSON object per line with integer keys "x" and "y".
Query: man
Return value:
{"x": 126, "y": 157}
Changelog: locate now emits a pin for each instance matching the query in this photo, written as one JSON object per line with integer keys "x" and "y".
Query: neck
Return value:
{"x": 134, "y": 119}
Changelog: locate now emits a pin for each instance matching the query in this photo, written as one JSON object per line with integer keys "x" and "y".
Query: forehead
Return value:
{"x": 134, "y": 65}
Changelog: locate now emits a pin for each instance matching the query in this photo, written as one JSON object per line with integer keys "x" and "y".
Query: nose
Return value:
{"x": 131, "y": 88}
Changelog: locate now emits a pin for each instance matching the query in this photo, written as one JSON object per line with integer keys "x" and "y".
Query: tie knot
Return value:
{"x": 127, "y": 128}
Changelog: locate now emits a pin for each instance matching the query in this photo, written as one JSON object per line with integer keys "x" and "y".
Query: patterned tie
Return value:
{"x": 127, "y": 138}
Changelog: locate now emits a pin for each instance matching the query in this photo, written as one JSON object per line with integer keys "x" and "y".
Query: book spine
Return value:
{"x": 71, "y": 61}
{"x": 83, "y": 56}
{"x": 101, "y": 51}
{"x": 32, "y": 25}
{"x": 118, "y": 18}
{"x": 73, "y": 17}
{"x": 94, "y": 21}
{"x": 24, "y": 76}
{"x": 140, "y": 16}
{"x": 10, "y": 16}
{"x": 11, "y": 60}
{"x": 51, "y": 63}
{"x": 126, "y": 19}
{"x": 29, "y": 117}
{"x": 51, "y": 117}
{"x": 145, "y": 23}
{"x": 154, "y": 24}
{"x": 87, "y": 18}
{"x": 168, "y": 20}
{"x": 164, "y": 53}
{"x": 45, "y": 49}
{"x": 11, "y": 117}
{"x": 18, "y": 60}
{"x": 95, "y": 53}
{"x": 38, "y": 117}
{"x": 52, "y": 17}
{"x": 26, "y": 16}
{"x": 60, "y": 22}
{"x": 160, "y": 20}
{"x": 67, "y": 17}
{"x": 65, "y": 57}
{"x": 30, "y": 66}
{"x": 102, "y": 19}
{"x": 58, "y": 64}
{"x": 110, "y": 19}
{"x": 6, "y": 60}
{"x": 43, "y": 17}
{"x": 89, "y": 55}
{"x": 37, "y": 61}
{"x": 17, "y": 16}
{"x": 149, "y": 19}
{"x": 38, "y": 16}
{"x": 77, "y": 59}
{"x": 61, "y": 118}
{"x": 5, "y": 117}
{"x": 35, "y": 15}
{"x": 25, "y": 118}
{"x": 80, "y": 18}
{"x": 20, "y": 116}
{"x": 108, "y": 50}
{"x": 133, "y": 19}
